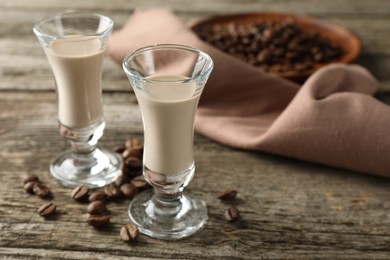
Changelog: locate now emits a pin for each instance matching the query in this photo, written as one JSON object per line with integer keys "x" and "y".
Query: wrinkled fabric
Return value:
{"x": 332, "y": 119}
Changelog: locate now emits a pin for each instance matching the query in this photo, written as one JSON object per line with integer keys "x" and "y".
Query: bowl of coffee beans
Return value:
{"x": 286, "y": 45}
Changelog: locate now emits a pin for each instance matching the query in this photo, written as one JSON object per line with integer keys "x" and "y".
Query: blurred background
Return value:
{"x": 369, "y": 20}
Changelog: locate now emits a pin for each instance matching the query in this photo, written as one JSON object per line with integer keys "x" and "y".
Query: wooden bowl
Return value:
{"x": 341, "y": 36}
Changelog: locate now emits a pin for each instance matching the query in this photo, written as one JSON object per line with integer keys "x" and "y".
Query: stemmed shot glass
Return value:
{"x": 74, "y": 44}
{"x": 168, "y": 81}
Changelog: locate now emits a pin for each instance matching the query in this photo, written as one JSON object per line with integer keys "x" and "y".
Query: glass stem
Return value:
{"x": 84, "y": 155}
{"x": 167, "y": 204}
{"x": 82, "y": 148}
{"x": 83, "y": 142}
{"x": 168, "y": 200}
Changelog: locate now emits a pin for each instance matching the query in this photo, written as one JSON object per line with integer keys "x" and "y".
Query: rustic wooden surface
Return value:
{"x": 290, "y": 209}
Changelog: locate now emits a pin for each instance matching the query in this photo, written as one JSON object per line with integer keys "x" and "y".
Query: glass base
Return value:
{"x": 185, "y": 222}
{"x": 94, "y": 170}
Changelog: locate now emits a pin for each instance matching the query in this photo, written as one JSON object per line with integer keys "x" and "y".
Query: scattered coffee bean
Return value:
{"x": 140, "y": 182}
{"x": 135, "y": 151}
{"x": 273, "y": 46}
{"x": 47, "y": 209}
{"x": 98, "y": 221}
{"x": 80, "y": 192}
{"x": 120, "y": 149}
{"x": 122, "y": 179}
{"x": 129, "y": 190}
{"x": 113, "y": 192}
{"x": 130, "y": 143}
{"x": 227, "y": 194}
{"x": 132, "y": 166}
{"x": 41, "y": 190}
{"x": 96, "y": 207}
{"x": 125, "y": 177}
{"x": 97, "y": 195}
{"x": 30, "y": 178}
{"x": 232, "y": 214}
{"x": 129, "y": 232}
{"x": 29, "y": 186}
{"x": 133, "y": 162}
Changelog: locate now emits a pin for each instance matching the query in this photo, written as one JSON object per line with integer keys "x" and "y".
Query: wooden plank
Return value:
{"x": 290, "y": 209}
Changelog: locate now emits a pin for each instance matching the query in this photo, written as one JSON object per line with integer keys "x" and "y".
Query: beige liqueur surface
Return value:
{"x": 168, "y": 109}
{"x": 76, "y": 62}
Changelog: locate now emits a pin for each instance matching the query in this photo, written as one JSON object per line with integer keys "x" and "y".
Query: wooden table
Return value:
{"x": 290, "y": 209}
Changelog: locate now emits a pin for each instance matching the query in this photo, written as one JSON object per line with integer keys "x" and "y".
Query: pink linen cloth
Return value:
{"x": 332, "y": 119}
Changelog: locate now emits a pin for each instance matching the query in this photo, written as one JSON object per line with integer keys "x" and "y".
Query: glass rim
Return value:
{"x": 181, "y": 47}
{"x": 41, "y": 33}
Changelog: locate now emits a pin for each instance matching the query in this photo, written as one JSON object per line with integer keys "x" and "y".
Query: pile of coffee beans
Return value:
{"x": 128, "y": 184}
{"x": 33, "y": 185}
{"x": 275, "y": 47}
{"x": 96, "y": 208}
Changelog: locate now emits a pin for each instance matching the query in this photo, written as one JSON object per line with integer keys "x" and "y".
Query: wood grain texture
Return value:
{"x": 289, "y": 209}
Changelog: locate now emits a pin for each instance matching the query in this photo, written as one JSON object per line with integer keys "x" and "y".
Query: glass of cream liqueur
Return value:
{"x": 74, "y": 44}
{"x": 168, "y": 81}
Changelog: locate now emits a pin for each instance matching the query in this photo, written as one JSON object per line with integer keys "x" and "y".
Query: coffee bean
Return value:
{"x": 132, "y": 166}
{"x": 264, "y": 56}
{"x": 113, "y": 192}
{"x": 130, "y": 143}
{"x": 129, "y": 190}
{"x": 301, "y": 66}
{"x": 47, "y": 209}
{"x": 29, "y": 186}
{"x": 41, "y": 190}
{"x": 120, "y": 149}
{"x": 129, "y": 232}
{"x": 96, "y": 207}
{"x": 133, "y": 162}
{"x": 98, "y": 221}
{"x": 140, "y": 182}
{"x": 135, "y": 151}
{"x": 319, "y": 57}
{"x": 232, "y": 214}
{"x": 227, "y": 194}
{"x": 29, "y": 178}
{"x": 80, "y": 192}
{"x": 97, "y": 195}
{"x": 122, "y": 179}
{"x": 268, "y": 34}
